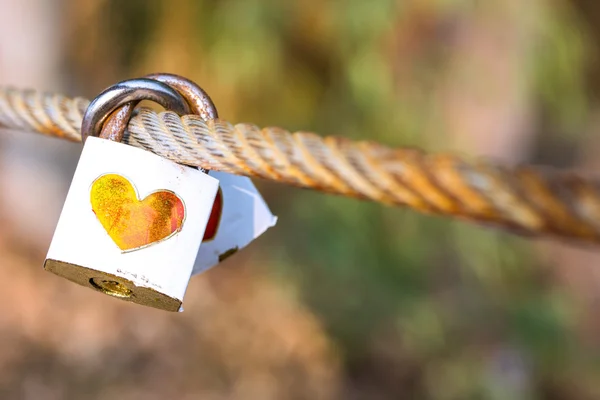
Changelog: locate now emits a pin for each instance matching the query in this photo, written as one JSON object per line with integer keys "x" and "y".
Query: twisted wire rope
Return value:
{"x": 526, "y": 200}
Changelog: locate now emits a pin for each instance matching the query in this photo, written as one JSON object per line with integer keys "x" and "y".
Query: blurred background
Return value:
{"x": 343, "y": 299}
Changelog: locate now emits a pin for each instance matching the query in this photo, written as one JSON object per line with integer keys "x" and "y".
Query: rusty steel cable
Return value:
{"x": 526, "y": 200}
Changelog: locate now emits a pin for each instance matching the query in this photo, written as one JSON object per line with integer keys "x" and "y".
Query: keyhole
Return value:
{"x": 111, "y": 288}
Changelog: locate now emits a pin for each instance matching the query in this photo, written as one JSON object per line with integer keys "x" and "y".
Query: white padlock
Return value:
{"x": 239, "y": 216}
{"x": 132, "y": 224}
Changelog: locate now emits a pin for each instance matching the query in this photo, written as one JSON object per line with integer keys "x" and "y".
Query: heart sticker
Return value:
{"x": 215, "y": 218}
{"x": 132, "y": 223}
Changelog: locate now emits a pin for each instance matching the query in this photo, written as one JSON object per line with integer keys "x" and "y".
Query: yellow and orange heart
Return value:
{"x": 133, "y": 223}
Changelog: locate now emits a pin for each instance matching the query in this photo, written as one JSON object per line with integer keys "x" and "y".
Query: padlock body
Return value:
{"x": 239, "y": 216}
{"x": 132, "y": 224}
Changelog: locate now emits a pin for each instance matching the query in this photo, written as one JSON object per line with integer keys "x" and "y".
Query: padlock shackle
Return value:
{"x": 127, "y": 92}
{"x": 125, "y": 96}
{"x": 199, "y": 101}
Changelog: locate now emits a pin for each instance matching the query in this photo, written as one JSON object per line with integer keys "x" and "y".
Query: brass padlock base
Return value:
{"x": 112, "y": 285}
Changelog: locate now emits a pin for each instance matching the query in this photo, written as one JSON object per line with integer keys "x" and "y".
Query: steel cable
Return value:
{"x": 527, "y": 200}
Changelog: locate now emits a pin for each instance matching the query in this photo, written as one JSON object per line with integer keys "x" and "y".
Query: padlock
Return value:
{"x": 133, "y": 221}
{"x": 239, "y": 216}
